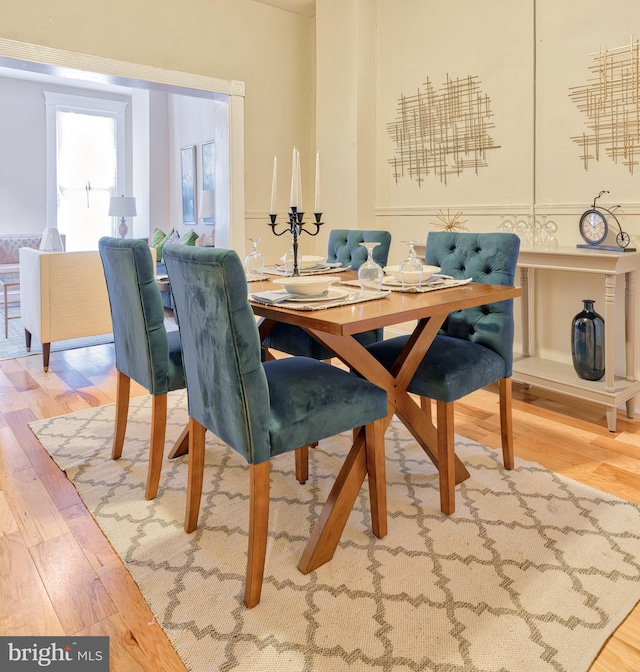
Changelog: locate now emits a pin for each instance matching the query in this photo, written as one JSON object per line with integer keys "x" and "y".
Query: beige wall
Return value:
{"x": 537, "y": 165}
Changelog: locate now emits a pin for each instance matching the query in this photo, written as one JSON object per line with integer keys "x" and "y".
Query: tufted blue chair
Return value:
{"x": 259, "y": 409}
{"x": 344, "y": 246}
{"x": 145, "y": 351}
{"x": 475, "y": 345}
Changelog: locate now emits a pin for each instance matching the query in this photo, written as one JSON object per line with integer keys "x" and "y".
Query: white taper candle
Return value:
{"x": 299, "y": 182}
{"x": 316, "y": 206}
{"x": 274, "y": 183}
{"x": 293, "y": 197}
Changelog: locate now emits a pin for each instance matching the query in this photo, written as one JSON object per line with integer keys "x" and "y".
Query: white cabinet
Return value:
{"x": 612, "y": 390}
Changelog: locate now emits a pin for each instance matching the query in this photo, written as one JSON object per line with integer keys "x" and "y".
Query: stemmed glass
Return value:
{"x": 411, "y": 267}
{"x": 370, "y": 274}
{"x": 254, "y": 261}
{"x": 288, "y": 260}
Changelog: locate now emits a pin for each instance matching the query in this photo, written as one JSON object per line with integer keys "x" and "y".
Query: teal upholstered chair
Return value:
{"x": 344, "y": 246}
{"x": 259, "y": 409}
{"x": 145, "y": 351}
{"x": 475, "y": 345}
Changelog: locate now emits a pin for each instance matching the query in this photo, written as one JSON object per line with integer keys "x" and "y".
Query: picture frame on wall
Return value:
{"x": 188, "y": 167}
{"x": 208, "y": 178}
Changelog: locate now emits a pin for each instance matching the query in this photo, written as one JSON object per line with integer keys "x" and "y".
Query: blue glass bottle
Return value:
{"x": 587, "y": 342}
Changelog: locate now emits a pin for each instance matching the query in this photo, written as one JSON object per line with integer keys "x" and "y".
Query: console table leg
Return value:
{"x": 631, "y": 407}
{"x": 611, "y": 418}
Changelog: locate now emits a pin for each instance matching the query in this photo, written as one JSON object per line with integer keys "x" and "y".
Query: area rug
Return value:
{"x": 532, "y": 573}
{"x": 14, "y": 345}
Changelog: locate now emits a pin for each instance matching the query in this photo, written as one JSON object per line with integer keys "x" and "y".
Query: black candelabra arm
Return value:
{"x": 295, "y": 228}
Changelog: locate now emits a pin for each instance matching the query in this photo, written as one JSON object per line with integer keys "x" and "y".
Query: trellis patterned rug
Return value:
{"x": 531, "y": 574}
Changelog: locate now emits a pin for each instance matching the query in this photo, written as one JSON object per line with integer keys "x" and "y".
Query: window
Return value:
{"x": 85, "y": 166}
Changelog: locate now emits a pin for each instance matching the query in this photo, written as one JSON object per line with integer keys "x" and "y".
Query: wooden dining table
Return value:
{"x": 335, "y": 329}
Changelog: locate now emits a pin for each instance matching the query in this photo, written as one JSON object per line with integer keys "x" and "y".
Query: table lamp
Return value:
{"x": 207, "y": 210}
{"x": 122, "y": 206}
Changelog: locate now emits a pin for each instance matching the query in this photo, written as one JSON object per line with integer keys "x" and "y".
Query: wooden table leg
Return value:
{"x": 354, "y": 355}
{"x": 327, "y": 531}
{"x": 181, "y": 446}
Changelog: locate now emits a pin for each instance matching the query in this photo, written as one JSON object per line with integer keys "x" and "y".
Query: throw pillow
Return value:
{"x": 160, "y": 243}
{"x": 189, "y": 238}
{"x": 156, "y": 236}
{"x": 174, "y": 237}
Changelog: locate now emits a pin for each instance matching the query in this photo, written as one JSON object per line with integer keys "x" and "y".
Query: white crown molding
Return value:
{"x": 106, "y": 70}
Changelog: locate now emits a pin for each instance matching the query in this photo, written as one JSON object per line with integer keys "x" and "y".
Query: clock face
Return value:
{"x": 593, "y": 227}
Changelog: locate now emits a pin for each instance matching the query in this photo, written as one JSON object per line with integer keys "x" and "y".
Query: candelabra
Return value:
{"x": 296, "y": 227}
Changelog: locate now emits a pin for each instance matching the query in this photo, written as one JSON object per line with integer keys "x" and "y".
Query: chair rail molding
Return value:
{"x": 490, "y": 210}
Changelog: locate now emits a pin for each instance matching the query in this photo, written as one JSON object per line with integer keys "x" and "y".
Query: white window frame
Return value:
{"x": 62, "y": 102}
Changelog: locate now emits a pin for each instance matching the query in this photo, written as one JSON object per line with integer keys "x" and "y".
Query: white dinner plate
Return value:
{"x": 331, "y": 295}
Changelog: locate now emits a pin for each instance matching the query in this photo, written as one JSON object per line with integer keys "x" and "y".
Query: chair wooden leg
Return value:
{"x": 123, "y": 386}
{"x": 27, "y": 340}
{"x": 195, "y": 473}
{"x": 258, "y": 528}
{"x": 506, "y": 422}
{"x": 377, "y": 476}
{"x": 446, "y": 456}
{"x": 302, "y": 464}
{"x": 156, "y": 445}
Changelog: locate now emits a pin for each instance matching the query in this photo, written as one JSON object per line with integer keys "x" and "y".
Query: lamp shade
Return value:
{"x": 207, "y": 208}
{"x": 51, "y": 241}
{"x": 122, "y": 206}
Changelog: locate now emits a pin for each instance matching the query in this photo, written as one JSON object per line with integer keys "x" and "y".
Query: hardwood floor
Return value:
{"x": 59, "y": 575}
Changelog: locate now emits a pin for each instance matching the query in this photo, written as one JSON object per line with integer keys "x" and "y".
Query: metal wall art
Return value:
{"x": 442, "y": 132}
{"x": 611, "y": 103}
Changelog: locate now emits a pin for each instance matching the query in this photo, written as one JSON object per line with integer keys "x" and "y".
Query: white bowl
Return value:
{"x": 307, "y": 285}
{"x": 305, "y": 262}
{"x": 412, "y": 277}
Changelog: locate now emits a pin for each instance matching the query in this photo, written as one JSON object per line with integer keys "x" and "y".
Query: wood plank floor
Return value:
{"x": 59, "y": 575}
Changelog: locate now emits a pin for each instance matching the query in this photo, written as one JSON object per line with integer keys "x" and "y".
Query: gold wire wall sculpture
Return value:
{"x": 450, "y": 222}
{"x": 611, "y": 102}
{"x": 442, "y": 132}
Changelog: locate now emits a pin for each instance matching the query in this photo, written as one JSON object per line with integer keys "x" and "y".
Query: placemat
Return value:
{"x": 279, "y": 297}
{"x": 441, "y": 283}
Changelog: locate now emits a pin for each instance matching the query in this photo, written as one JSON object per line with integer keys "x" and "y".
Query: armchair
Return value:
{"x": 63, "y": 295}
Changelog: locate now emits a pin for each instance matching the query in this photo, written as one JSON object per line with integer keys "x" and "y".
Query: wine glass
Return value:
{"x": 370, "y": 273}
{"x": 411, "y": 267}
{"x": 254, "y": 261}
{"x": 288, "y": 260}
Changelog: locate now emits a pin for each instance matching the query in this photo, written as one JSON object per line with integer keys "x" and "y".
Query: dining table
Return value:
{"x": 335, "y": 328}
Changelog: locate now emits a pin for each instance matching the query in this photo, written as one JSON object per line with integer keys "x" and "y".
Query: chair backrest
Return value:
{"x": 489, "y": 258}
{"x": 344, "y": 246}
{"x": 226, "y": 383}
{"x": 137, "y": 314}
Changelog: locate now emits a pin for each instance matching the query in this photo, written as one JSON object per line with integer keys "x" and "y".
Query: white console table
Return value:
{"x": 612, "y": 390}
